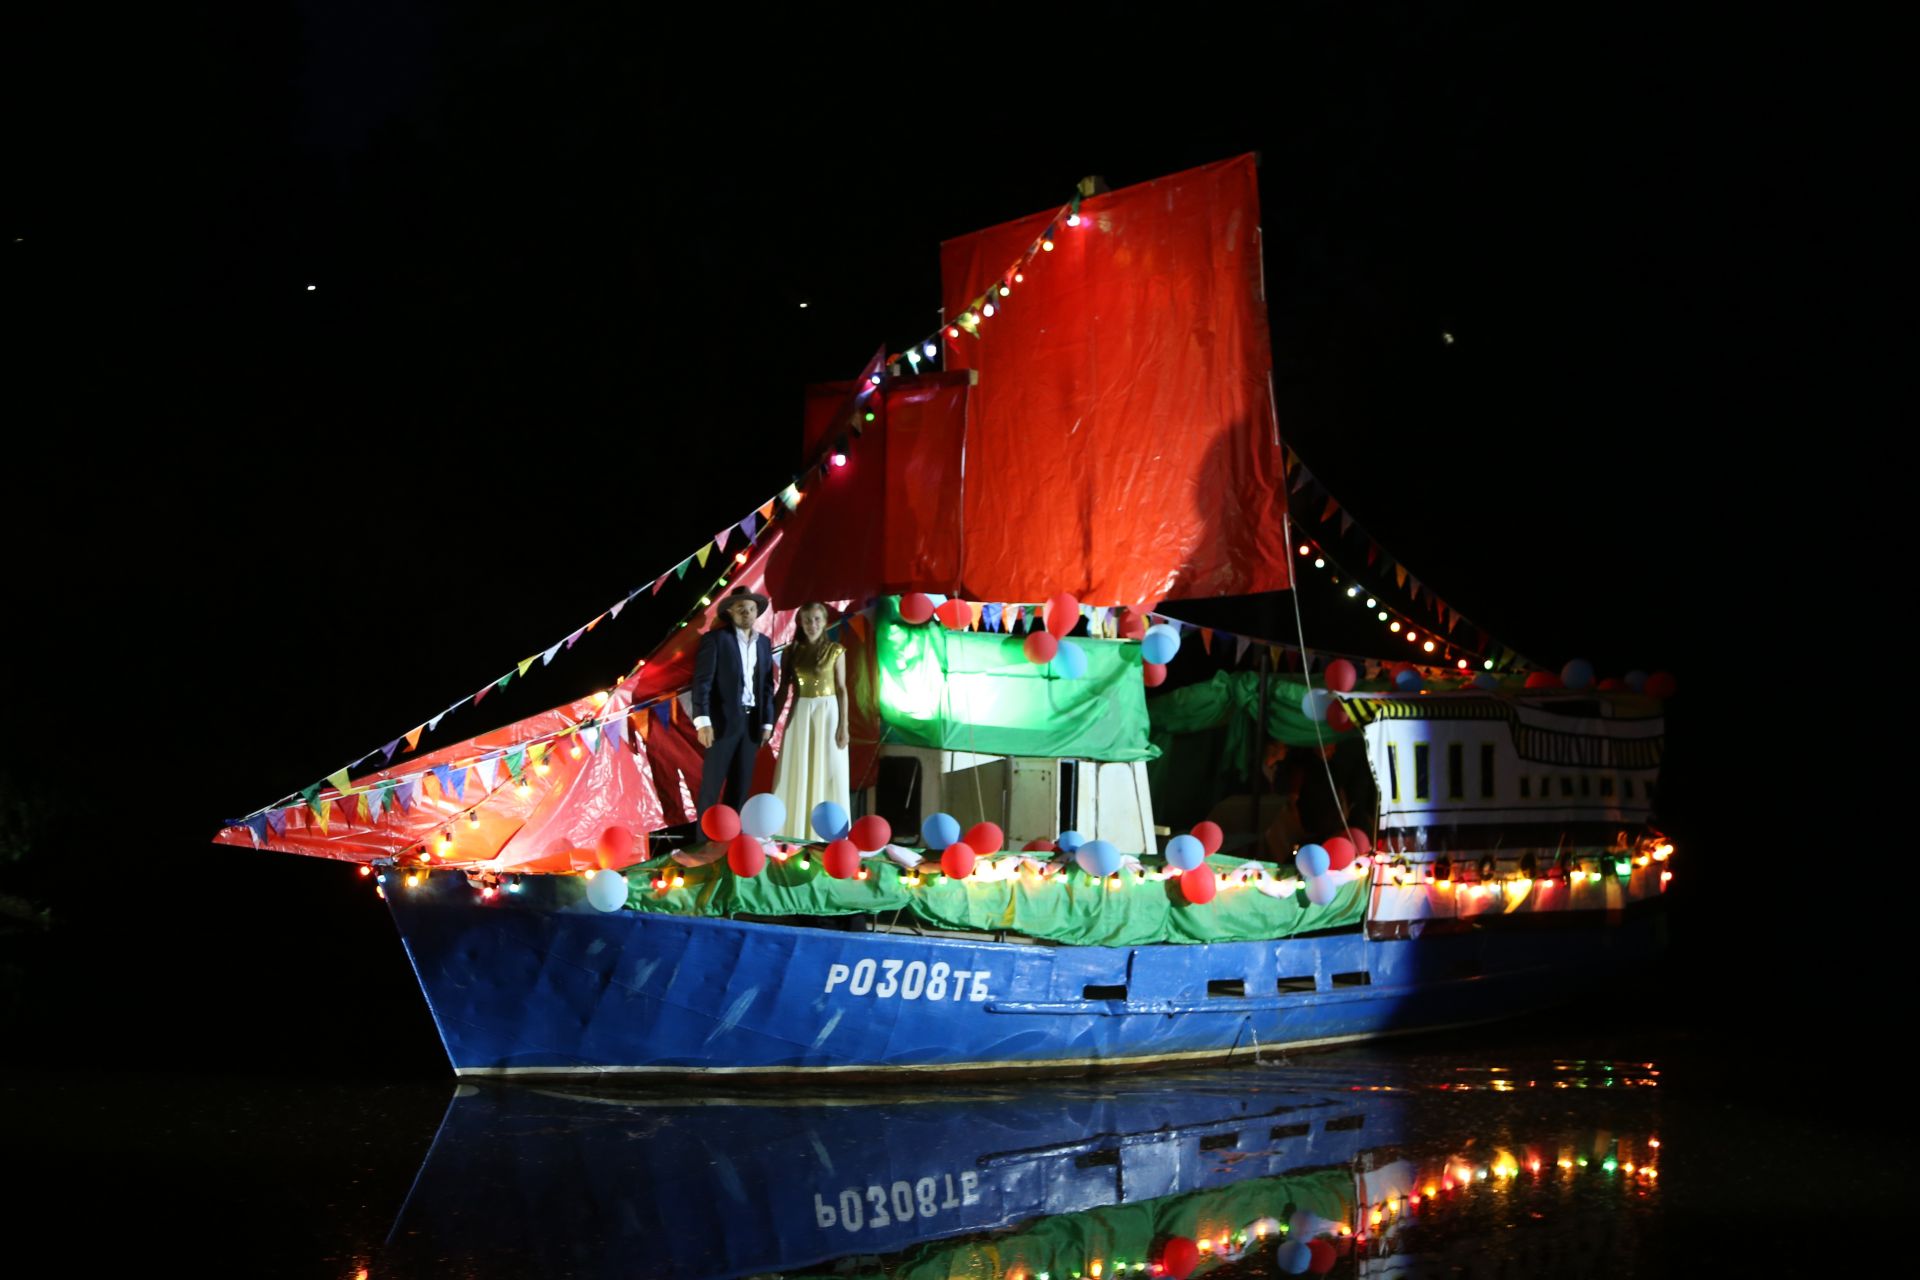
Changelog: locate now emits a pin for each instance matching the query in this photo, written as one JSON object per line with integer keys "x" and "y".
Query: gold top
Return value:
{"x": 815, "y": 679}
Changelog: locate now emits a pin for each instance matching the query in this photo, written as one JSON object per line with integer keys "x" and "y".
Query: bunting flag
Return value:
{"x": 321, "y": 813}
{"x": 404, "y": 794}
{"x": 258, "y": 826}
{"x": 341, "y": 782}
{"x": 1274, "y": 654}
{"x": 645, "y": 721}
{"x": 388, "y": 750}
{"x": 766, "y": 510}
{"x": 277, "y": 821}
{"x": 1206, "y": 639}
{"x": 546, "y": 659}
{"x": 590, "y": 736}
{"x": 1400, "y": 575}
{"x": 1240, "y": 648}
{"x": 516, "y": 761}
{"x": 1327, "y": 513}
{"x": 489, "y": 770}
{"x": 680, "y": 570}
{"x": 1413, "y": 587}
{"x": 574, "y": 639}
{"x": 442, "y": 774}
{"x": 702, "y": 554}
{"x": 527, "y": 662}
{"x": 1346, "y": 522}
{"x": 664, "y": 711}
{"x": 720, "y": 538}
{"x": 615, "y": 611}
{"x": 384, "y": 800}
{"x": 481, "y": 696}
{"x": 596, "y": 622}
{"x": 990, "y": 616}
{"x": 1299, "y": 480}
{"x": 312, "y": 796}
{"x": 751, "y": 525}
{"x": 658, "y": 583}
{"x": 1373, "y": 552}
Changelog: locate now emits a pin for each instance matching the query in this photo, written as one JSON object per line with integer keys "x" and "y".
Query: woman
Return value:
{"x": 813, "y": 755}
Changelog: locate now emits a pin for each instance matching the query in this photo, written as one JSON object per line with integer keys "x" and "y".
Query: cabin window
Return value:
{"x": 1302, "y": 982}
{"x": 1486, "y": 771}
{"x": 1422, "y": 771}
{"x": 1546, "y": 787}
{"x": 1626, "y": 787}
{"x": 1526, "y": 787}
{"x": 1606, "y": 784}
{"x": 1235, "y": 987}
{"x": 1220, "y": 1142}
{"x": 1393, "y": 770}
{"x": 1345, "y": 1122}
{"x": 1097, "y": 1159}
{"x": 1103, "y": 993}
{"x": 1566, "y": 786}
{"x": 1352, "y": 979}
{"x": 1280, "y": 1132}
{"x": 1456, "y": 771}
{"x": 1586, "y": 786}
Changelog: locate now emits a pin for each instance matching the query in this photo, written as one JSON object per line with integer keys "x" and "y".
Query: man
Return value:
{"x": 733, "y": 698}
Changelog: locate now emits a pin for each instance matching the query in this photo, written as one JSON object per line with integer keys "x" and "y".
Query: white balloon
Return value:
{"x": 763, "y": 815}
{"x": 607, "y": 890}
{"x": 1322, "y": 889}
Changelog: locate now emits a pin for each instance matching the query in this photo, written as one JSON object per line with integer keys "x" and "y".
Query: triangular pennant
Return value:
{"x": 404, "y": 793}
{"x": 459, "y": 776}
{"x": 341, "y": 782}
{"x": 312, "y": 796}
{"x": 990, "y": 616}
{"x": 489, "y": 771}
{"x": 1206, "y": 639}
{"x": 258, "y": 826}
{"x": 751, "y": 525}
{"x": 1300, "y": 478}
{"x": 1400, "y": 574}
{"x": 277, "y": 821}
{"x": 1453, "y": 620}
{"x": 663, "y": 711}
{"x": 1373, "y": 552}
{"x": 388, "y": 750}
{"x": 516, "y": 761}
{"x": 1240, "y": 648}
{"x": 590, "y": 737}
{"x": 1273, "y": 654}
{"x": 615, "y": 611}
{"x": 1019, "y": 611}
{"x": 702, "y": 554}
{"x": 571, "y": 640}
{"x": 680, "y": 570}
{"x": 1346, "y": 522}
{"x": 321, "y": 813}
{"x": 720, "y": 538}
{"x": 1414, "y": 587}
{"x": 546, "y": 659}
{"x": 382, "y": 800}
{"x": 481, "y": 696}
{"x": 527, "y": 662}
{"x": 645, "y": 722}
{"x": 443, "y": 775}
{"x": 596, "y": 622}
{"x": 658, "y": 583}
{"x": 435, "y": 722}
{"x": 766, "y": 510}
{"x": 1327, "y": 512}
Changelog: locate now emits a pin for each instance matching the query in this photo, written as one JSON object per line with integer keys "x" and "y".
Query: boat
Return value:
{"x": 1117, "y": 1178}
{"x": 1009, "y": 517}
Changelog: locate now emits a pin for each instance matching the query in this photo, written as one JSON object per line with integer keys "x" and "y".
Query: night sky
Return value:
{"x": 554, "y": 339}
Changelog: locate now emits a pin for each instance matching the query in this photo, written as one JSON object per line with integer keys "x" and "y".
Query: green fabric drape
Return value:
{"x": 1069, "y": 907}
{"x": 1201, "y": 735}
{"x": 976, "y": 691}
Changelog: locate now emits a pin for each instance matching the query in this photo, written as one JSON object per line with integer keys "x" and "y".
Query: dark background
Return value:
{"x": 556, "y": 342}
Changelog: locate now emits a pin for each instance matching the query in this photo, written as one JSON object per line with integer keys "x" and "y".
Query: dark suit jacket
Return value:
{"x": 717, "y": 678}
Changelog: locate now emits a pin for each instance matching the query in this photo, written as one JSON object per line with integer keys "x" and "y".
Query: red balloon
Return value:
{"x": 1063, "y": 613}
{"x": 841, "y": 859}
{"x": 1037, "y": 846}
{"x": 1337, "y": 718}
{"x": 1362, "y": 843}
{"x": 984, "y": 838}
{"x": 871, "y": 833}
{"x": 616, "y": 847}
{"x": 1180, "y": 1257}
{"x": 1133, "y": 622}
{"x": 1661, "y": 684}
{"x": 1153, "y": 674}
{"x": 1546, "y": 680}
{"x": 720, "y": 823}
{"x": 1210, "y": 836}
{"x": 1612, "y": 684}
{"x": 1322, "y": 1257}
{"x": 1341, "y": 676}
{"x": 915, "y": 608}
{"x": 1040, "y": 646}
{"x": 1198, "y": 885}
{"x": 956, "y": 860}
{"x": 1340, "y": 852}
{"x": 745, "y": 855}
{"x": 955, "y": 615}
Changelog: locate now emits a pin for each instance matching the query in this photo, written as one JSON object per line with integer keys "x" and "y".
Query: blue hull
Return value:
{"x": 541, "y": 983}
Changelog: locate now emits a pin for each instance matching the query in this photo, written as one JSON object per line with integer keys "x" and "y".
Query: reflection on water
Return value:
{"x": 1356, "y": 1164}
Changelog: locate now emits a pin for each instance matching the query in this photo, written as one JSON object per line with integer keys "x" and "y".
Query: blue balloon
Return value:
{"x": 1407, "y": 679}
{"x": 1312, "y": 860}
{"x": 830, "y": 820}
{"x": 607, "y": 890}
{"x": 1314, "y": 704}
{"x": 1160, "y": 643}
{"x": 1637, "y": 681}
{"x": 763, "y": 815}
{"x": 1070, "y": 663}
{"x": 1577, "y": 674}
{"x": 1322, "y": 889}
{"x": 1294, "y": 1257}
{"x": 1069, "y": 841}
{"x": 1099, "y": 857}
{"x": 1485, "y": 680}
{"x": 1185, "y": 852}
{"x": 939, "y": 831}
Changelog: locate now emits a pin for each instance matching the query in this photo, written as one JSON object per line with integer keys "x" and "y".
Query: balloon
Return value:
{"x": 745, "y": 855}
{"x": 1485, "y": 680}
{"x": 1313, "y": 704}
{"x": 1180, "y": 1257}
{"x": 1185, "y": 853}
{"x": 1341, "y": 676}
{"x": 1098, "y": 857}
{"x": 616, "y": 845}
{"x": 956, "y": 860}
{"x": 1312, "y": 860}
{"x": 984, "y": 838}
{"x": 1070, "y": 661}
{"x": 1069, "y": 841}
{"x": 1323, "y": 1256}
{"x": 955, "y": 615}
{"x": 763, "y": 815}
{"x": 1406, "y": 678}
{"x": 1542, "y": 680}
{"x": 1198, "y": 885}
{"x": 1039, "y": 647}
{"x": 1160, "y": 643}
{"x": 1294, "y": 1257}
{"x": 1036, "y": 846}
{"x": 1063, "y": 614}
{"x": 871, "y": 833}
{"x": 607, "y": 890}
{"x": 1612, "y": 684}
{"x": 1340, "y": 853}
{"x": 1636, "y": 680}
{"x": 841, "y": 859}
{"x": 1362, "y": 843}
{"x": 830, "y": 821}
{"x": 720, "y": 823}
{"x": 939, "y": 831}
{"x": 1661, "y": 684}
{"x": 1337, "y": 718}
{"x": 1322, "y": 889}
{"x": 1577, "y": 674}
{"x": 915, "y": 608}
{"x": 1153, "y": 673}
{"x": 1133, "y": 623}
{"x": 1210, "y": 836}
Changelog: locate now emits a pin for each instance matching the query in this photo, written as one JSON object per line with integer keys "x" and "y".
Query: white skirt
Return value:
{"x": 811, "y": 768}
